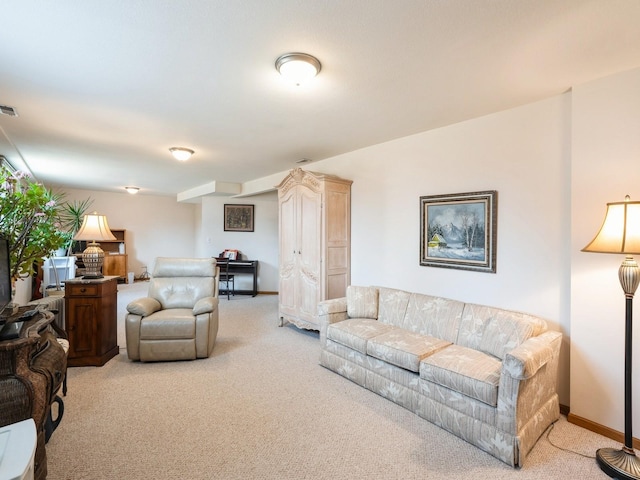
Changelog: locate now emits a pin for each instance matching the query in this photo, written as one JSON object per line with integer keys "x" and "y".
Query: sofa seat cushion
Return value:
{"x": 464, "y": 370}
{"x": 356, "y": 332}
{"x": 403, "y": 348}
{"x": 177, "y": 323}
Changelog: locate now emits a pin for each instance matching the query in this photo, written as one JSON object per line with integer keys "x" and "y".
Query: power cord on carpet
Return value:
{"x": 562, "y": 448}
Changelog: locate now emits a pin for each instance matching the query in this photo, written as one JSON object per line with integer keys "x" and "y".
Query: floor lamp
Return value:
{"x": 620, "y": 233}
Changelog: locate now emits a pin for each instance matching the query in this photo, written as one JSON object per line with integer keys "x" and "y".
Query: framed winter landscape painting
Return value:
{"x": 459, "y": 231}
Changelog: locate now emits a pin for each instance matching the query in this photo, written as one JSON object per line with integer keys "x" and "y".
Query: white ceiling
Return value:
{"x": 104, "y": 87}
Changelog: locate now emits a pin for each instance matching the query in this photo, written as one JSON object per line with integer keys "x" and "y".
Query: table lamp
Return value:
{"x": 620, "y": 233}
{"x": 94, "y": 228}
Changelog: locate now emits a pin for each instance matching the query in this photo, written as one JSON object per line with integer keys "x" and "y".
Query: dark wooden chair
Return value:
{"x": 226, "y": 277}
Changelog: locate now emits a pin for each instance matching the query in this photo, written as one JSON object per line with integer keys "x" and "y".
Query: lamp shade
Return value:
{"x": 620, "y": 231}
{"x": 94, "y": 228}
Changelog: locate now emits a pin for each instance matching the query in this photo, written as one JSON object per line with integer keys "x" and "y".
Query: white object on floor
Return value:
{"x": 18, "y": 450}
{"x": 64, "y": 266}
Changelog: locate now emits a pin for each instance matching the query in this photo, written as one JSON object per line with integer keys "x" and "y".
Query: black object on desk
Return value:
{"x": 248, "y": 267}
{"x": 10, "y": 330}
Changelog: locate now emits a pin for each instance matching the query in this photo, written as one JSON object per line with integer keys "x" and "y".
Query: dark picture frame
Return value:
{"x": 238, "y": 218}
{"x": 459, "y": 231}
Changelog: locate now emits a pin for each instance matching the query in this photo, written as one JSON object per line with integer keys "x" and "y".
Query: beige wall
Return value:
{"x": 156, "y": 226}
{"x": 605, "y": 168}
{"x": 522, "y": 153}
{"x": 261, "y": 244}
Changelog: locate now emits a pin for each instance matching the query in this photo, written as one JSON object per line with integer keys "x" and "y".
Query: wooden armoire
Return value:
{"x": 315, "y": 244}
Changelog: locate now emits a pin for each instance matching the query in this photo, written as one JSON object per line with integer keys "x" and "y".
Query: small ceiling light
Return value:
{"x": 181, "y": 154}
{"x": 297, "y": 68}
{"x": 132, "y": 190}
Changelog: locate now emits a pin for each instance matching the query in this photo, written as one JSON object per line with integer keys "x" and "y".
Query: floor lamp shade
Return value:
{"x": 94, "y": 228}
{"x": 620, "y": 233}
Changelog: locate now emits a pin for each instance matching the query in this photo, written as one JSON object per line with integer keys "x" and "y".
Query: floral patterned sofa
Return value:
{"x": 484, "y": 374}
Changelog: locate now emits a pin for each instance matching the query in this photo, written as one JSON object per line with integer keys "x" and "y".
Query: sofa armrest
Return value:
{"x": 528, "y": 383}
{"x": 144, "y": 306}
{"x": 205, "y": 305}
{"x": 335, "y": 305}
{"x": 331, "y": 311}
{"x": 524, "y": 361}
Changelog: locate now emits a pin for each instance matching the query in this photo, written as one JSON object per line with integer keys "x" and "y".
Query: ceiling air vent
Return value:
{"x": 6, "y": 110}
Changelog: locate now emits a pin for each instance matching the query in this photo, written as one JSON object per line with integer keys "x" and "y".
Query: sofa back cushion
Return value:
{"x": 362, "y": 302}
{"x": 435, "y": 316}
{"x": 496, "y": 331}
{"x": 392, "y": 305}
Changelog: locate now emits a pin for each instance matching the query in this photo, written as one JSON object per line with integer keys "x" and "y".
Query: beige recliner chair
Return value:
{"x": 178, "y": 320}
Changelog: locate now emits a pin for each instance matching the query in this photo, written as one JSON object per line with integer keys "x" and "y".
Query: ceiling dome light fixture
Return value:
{"x": 132, "y": 190}
{"x": 297, "y": 68}
{"x": 180, "y": 153}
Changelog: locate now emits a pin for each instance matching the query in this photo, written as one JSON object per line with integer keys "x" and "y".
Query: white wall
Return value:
{"x": 605, "y": 168}
{"x": 261, "y": 244}
{"x": 522, "y": 153}
{"x": 156, "y": 226}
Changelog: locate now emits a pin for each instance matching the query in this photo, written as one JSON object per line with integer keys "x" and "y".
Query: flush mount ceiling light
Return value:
{"x": 132, "y": 190}
{"x": 181, "y": 154}
{"x": 297, "y": 68}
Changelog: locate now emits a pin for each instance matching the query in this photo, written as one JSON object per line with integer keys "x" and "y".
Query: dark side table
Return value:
{"x": 91, "y": 320}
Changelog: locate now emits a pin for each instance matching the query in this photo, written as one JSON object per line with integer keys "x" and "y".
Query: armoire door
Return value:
{"x": 288, "y": 253}
{"x": 309, "y": 252}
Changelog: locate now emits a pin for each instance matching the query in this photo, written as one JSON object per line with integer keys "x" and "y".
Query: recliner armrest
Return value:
{"x": 144, "y": 306}
{"x": 205, "y": 305}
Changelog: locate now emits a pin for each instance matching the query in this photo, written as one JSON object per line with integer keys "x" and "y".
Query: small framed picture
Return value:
{"x": 230, "y": 254}
{"x": 238, "y": 218}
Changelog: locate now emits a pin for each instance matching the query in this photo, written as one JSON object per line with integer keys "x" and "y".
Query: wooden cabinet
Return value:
{"x": 315, "y": 244}
{"x": 91, "y": 320}
{"x": 113, "y": 246}
{"x": 115, "y": 255}
{"x": 115, "y": 265}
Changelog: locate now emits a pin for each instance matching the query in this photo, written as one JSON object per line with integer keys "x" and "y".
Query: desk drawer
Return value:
{"x": 82, "y": 290}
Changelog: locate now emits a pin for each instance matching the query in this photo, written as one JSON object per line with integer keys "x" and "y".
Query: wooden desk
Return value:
{"x": 244, "y": 267}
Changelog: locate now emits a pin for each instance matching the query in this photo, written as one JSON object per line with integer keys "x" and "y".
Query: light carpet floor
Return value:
{"x": 263, "y": 408}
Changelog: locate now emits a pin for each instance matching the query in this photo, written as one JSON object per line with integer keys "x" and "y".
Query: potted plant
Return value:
{"x": 29, "y": 220}
{"x": 71, "y": 217}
